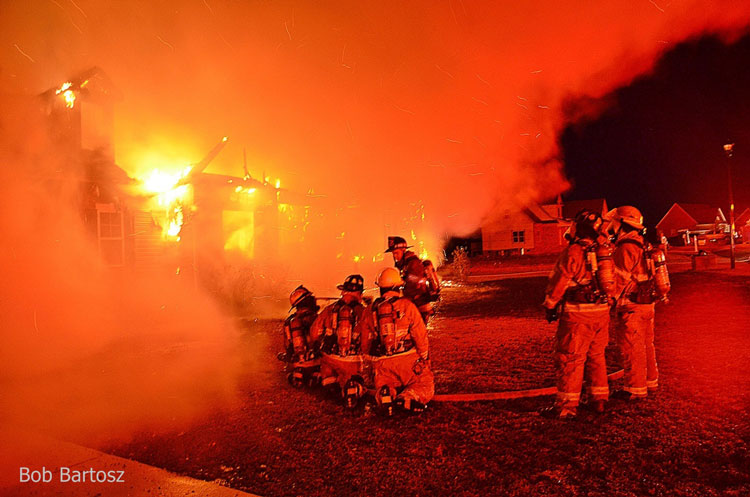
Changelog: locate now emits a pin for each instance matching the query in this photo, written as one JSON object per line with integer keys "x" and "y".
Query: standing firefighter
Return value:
{"x": 298, "y": 350}
{"x": 421, "y": 283}
{"x": 335, "y": 330}
{"x": 578, "y": 293}
{"x": 393, "y": 332}
{"x": 642, "y": 280}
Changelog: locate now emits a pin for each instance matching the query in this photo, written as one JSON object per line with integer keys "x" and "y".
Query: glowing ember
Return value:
{"x": 423, "y": 254}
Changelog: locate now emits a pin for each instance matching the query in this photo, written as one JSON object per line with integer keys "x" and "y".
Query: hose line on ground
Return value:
{"x": 510, "y": 394}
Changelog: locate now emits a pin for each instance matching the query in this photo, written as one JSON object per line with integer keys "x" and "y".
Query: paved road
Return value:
{"x": 36, "y": 452}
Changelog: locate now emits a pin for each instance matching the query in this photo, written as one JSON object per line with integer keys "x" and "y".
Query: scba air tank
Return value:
{"x": 386, "y": 327}
{"x": 605, "y": 272}
{"x": 661, "y": 274}
{"x": 298, "y": 336}
{"x": 344, "y": 329}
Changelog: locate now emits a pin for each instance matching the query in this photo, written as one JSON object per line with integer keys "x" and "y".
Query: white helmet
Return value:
{"x": 389, "y": 278}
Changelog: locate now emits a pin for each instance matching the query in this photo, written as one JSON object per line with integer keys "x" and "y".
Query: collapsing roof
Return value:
{"x": 91, "y": 83}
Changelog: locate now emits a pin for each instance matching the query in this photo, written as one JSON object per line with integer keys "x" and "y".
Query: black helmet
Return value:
{"x": 587, "y": 225}
{"x": 395, "y": 243}
{"x": 301, "y": 297}
{"x": 353, "y": 283}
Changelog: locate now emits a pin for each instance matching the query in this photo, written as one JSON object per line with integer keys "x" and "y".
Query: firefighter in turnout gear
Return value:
{"x": 335, "y": 332}
{"x": 298, "y": 350}
{"x": 641, "y": 281}
{"x": 578, "y": 293}
{"x": 395, "y": 336}
{"x": 421, "y": 284}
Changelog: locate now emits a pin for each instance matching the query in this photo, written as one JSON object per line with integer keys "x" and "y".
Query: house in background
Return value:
{"x": 684, "y": 221}
{"x": 534, "y": 229}
{"x": 742, "y": 225}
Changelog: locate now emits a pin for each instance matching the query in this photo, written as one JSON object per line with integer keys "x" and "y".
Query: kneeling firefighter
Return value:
{"x": 395, "y": 335}
{"x": 340, "y": 345}
{"x": 641, "y": 280}
{"x": 578, "y": 293}
{"x": 298, "y": 348}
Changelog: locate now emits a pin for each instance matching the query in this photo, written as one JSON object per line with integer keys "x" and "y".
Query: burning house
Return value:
{"x": 187, "y": 222}
{"x": 79, "y": 117}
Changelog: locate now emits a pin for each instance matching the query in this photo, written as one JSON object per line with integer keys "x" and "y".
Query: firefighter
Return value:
{"x": 298, "y": 351}
{"x": 395, "y": 336}
{"x": 419, "y": 286}
{"x": 641, "y": 280}
{"x": 578, "y": 293}
{"x": 335, "y": 332}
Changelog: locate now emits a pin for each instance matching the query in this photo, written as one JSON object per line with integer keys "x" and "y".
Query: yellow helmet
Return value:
{"x": 389, "y": 278}
{"x": 626, "y": 214}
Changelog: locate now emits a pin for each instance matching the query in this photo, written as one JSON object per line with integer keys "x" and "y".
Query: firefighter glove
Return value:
{"x": 551, "y": 314}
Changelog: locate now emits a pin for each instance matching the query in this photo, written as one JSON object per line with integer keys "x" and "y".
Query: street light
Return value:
{"x": 729, "y": 149}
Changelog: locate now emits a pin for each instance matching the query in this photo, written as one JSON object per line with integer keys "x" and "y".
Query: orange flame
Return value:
{"x": 170, "y": 197}
{"x": 68, "y": 94}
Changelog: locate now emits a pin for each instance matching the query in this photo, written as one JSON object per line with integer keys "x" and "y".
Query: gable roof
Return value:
{"x": 703, "y": 213}
{"x": 539, "y": 215}
{"x": 573, "y": 207}
{"x": 688, "y": 216}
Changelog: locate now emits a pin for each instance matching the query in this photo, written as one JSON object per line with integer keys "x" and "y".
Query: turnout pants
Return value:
{"x": 582, "y": 336}
{"x": 339, "y": 369}
{"x": 402, "y": 371}
{"x": 635, "y": 337}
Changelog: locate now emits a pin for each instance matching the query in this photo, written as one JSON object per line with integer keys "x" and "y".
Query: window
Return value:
{"x": 519, "y": 236}
{"x": 111, "y": 243}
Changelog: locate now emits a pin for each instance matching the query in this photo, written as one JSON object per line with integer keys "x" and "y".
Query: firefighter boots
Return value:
{"x": 555, "y": 412}
{"x": 386, "y": 401}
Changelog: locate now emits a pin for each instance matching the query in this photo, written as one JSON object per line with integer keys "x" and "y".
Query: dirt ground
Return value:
{"x": 690, "y": 439}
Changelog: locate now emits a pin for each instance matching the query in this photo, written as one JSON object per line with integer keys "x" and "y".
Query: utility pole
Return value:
{"x": 729, "y": 150}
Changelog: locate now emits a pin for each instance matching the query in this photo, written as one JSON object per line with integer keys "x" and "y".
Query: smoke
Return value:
{"x": 89, "y": 351}
{"x": 417, "y": 119}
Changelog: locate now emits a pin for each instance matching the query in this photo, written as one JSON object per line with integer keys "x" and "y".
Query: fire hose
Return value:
{"x": 510, "y": 394}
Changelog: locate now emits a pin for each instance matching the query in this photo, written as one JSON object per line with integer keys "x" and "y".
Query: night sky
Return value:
{"x": 660, "y": 139}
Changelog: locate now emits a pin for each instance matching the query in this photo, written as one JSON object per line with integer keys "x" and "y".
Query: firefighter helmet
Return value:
{"x": 353, "y": 283}
{"x": 389, "y": 278}
{"x": 626, "y": 214}
{"x": 395, "y": 243}
{"x": 586, "y": 225}
{"x": 298, "y": 295}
